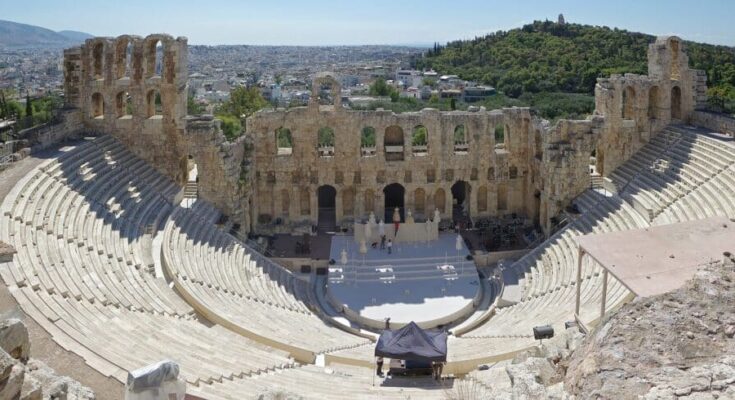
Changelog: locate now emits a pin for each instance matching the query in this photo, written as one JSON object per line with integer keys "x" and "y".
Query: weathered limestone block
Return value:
{"x": 14, "y": 339}
{"x": 31, "y": 389}
{"x": 11, "y": 388}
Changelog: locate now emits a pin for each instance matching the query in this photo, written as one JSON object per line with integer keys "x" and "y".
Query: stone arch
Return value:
{"x": 628, "y": 103}
{"x": 393, "y": 143}
{"x": 154, "y": 103}
{"x": 440, "y": 200}
{"x": 499, "y": 133}
{"x": 394, "y": 196}
{"x": 482, "y": 199}
{"x": 420, "y": 140}
{"x": 367, "y": 141}
{"x": 325, "y": 141}
{"x": 284, "y": 141}
{"x": 461, "y": 197}
{"x": 491, "y": 174}
{"x": 675, "y": 46}
{"x": 653, "y": 102}
{"x": 369, "y": 201}
{"x": 419, "y": 201}
{"x": 513, "y": 172}
{"x": 123, "y": 54}
{"x": 98, "y": 106}
{"x": 326, "y": 90}
{"x": 502, "y": 197}
{"x": 460, "y": 139}
{"x": 153, "y": 53}
{"x": 285, "y": 202}
{"x": 305, "y": 202}
{"x": 676, "y": 103}
{"x": 98, "y": 60}
{"x": 348, "y": 201}
{"x": 123, "y": 105}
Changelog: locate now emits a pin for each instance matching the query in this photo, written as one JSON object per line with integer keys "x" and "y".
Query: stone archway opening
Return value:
{"x": 326, "y": 207}
{"x": 676, "y": 103}
{"x": 461, "y": 201}
{"x": 394, "y": 197}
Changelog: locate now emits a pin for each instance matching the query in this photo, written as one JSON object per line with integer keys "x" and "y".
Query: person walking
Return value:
{"x": 382, "y": 242}
{"x": 379, "y": 363}
{"x": 390, "y": 246}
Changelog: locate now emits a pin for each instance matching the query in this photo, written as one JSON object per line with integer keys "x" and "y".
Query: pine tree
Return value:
{"x": 29, "y": 106}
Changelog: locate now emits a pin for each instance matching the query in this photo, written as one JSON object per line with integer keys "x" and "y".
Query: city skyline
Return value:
{"x": 337, "y": 23}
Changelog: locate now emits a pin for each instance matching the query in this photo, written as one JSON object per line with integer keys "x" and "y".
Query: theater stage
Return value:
{"x": 430, "y": 283}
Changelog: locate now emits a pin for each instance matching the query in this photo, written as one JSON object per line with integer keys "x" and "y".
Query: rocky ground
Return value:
{"x": 24, "y": 378}
{"x": 678, "y": 345}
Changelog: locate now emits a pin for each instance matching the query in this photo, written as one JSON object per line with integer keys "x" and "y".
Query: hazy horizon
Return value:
{"x": 329, "y": 23}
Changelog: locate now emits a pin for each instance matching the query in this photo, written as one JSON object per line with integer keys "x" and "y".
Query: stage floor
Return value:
{"x": 408, "y": 285}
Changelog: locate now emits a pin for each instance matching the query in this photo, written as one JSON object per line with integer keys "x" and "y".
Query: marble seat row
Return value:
{"x": 233, "y": 284}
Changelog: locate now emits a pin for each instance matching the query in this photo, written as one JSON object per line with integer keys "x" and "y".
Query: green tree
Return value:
{"x": 381, "y": 88}
{"x": 231, "y": 126}
{"x": 192, "y": 107}
{"x": 243, "y": 102}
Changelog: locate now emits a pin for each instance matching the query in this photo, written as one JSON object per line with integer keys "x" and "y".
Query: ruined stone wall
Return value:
{"x": 636, "y": 107}
{"x": 135, "y": 89}
{"x": 286, "y": 185}
{"x": 535, "y": 171}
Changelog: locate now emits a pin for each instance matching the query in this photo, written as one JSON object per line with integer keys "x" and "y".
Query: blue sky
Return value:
{"x": 321, "y": 22}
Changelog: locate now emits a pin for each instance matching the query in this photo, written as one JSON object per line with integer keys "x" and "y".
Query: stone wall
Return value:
{"x": 534, "y": 170}
{"x": 721, "y": 123}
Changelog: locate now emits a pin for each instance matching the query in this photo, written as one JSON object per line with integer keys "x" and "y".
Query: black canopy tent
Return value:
{"x": 413, "y": 343}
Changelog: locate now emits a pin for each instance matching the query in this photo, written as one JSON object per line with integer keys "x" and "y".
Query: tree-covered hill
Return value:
{"x": 551, "y": 57}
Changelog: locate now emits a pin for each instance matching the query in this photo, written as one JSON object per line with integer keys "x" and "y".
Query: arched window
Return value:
{"x": 653, "y": 103}
{"x": 153, "y": 58}
{"x": 629, "y": 103}
{"x": 98, "y": 60}
{"x": 285, "y": 202}
{"x": 154, "y": 104}
{"x": 367, "y": 141}
{"x": 419, "y": 201}
{"x": 325, "y": 142}
{"x": 420, "y": 140}
{"x": 123, "y": 52}
{"x": 348, "y": 201}
{"x": 98, "y": 106}
{"x": 499, "y": 134}
{"x": 369, "y": 201}
{"x": 440, "y": 200}
{"x": 123, "y": 105}
{"x": 460, "y": 140}
{"x": 513, "y": 172}
{"x": 502, "y": 197}
{"x": 676, "y": 103}
{"x": 393, "y": 141}
{"x": 284, "y": 142}
{"x": 305, "y": 202}
{"x": 491, "y": 174}
{"x": 482, "y": 199}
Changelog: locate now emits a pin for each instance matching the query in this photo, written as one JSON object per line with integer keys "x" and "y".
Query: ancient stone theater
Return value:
{"x": 273, "y": 262}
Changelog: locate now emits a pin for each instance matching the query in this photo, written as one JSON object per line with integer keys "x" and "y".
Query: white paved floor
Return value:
{"x": 407, "y": 285}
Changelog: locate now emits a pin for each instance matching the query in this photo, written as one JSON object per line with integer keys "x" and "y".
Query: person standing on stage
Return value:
{"x": 390, "y": 246}
{"x": 379, "y": 363}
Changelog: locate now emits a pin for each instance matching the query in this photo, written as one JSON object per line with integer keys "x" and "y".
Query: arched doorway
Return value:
{"x": 675, "y": 103}
{"x": 326, "y": 203}
{"x": 461, "y": 201}
{"x": 394, "y": 195}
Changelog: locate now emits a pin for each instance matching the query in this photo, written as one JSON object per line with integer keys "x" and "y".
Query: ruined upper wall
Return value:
{"x": 129, "y": 87}
{"x": 135, "y": 89}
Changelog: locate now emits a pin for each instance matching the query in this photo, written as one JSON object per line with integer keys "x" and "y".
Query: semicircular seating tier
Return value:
{"x": 82, "y": 224}
{"x": 237, "y": 287}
